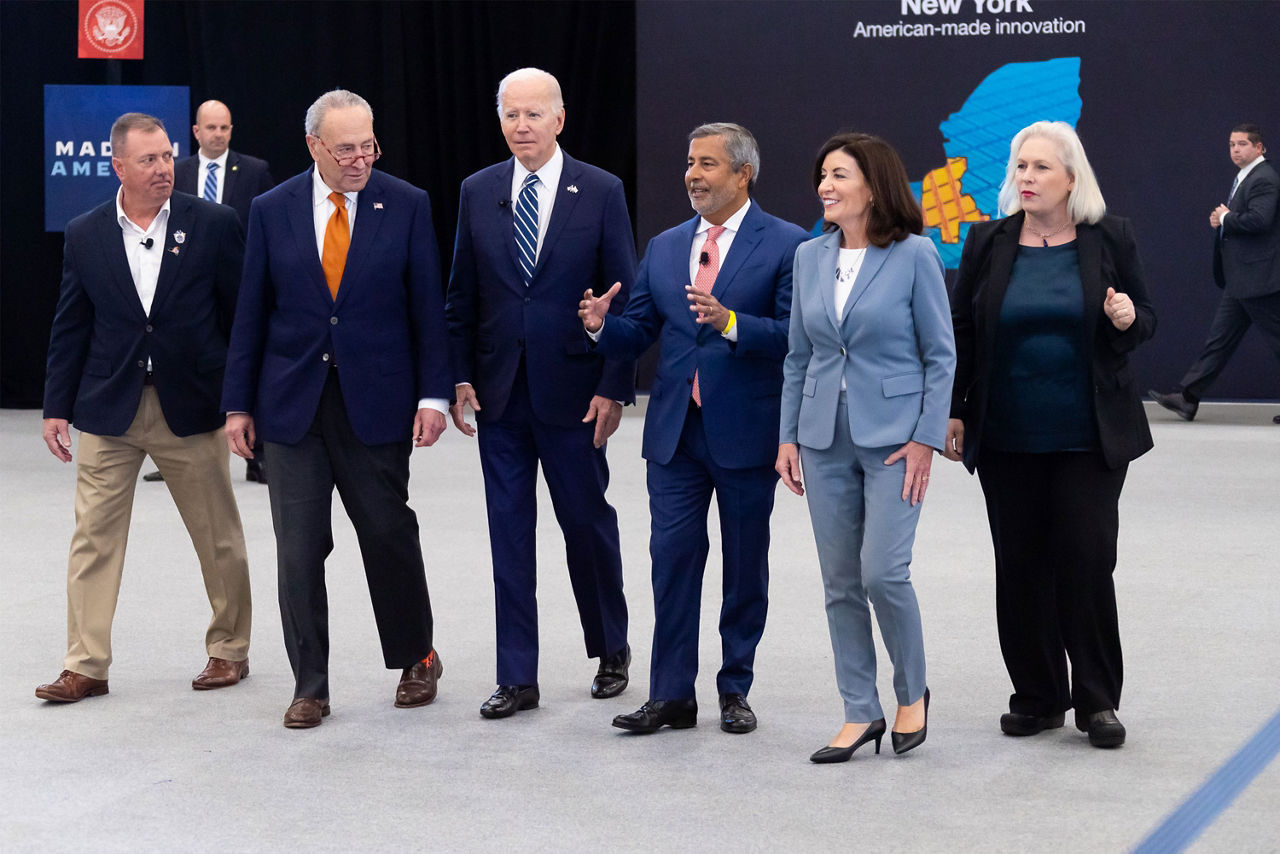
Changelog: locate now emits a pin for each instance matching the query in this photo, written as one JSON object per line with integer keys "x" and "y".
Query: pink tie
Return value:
{"x": 703, "y": 281}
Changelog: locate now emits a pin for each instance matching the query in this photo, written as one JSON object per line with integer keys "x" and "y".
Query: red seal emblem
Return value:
{"x": 111, "y": 29}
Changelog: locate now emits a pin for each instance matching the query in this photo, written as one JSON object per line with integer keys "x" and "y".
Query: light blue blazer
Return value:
{"x": 892, "y": 345}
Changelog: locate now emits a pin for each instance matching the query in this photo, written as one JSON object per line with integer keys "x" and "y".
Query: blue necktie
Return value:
{"x": 527, "y": 226}
{"x": 1234, "y": 185}
{"x": 211, "y": 183}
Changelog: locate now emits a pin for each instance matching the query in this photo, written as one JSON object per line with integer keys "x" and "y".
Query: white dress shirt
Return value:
{"x": 203, "y": 172}
{"x": 548, "y": 182}
{"x": 144, "y": 263}
{"x": 723, "y": 242}
{"x": 322, "y": 209}
{"x": 847, "y": 267}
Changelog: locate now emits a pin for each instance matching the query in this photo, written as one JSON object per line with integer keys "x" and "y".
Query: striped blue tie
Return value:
{"x": 211, "y": 183}
{"x": 527, "y": 226}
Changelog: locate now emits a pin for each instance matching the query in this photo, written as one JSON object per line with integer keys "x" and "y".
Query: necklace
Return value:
{"x": 1044, "y": 236}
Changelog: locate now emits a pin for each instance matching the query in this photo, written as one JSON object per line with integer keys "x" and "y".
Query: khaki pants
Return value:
{"x": 196, "y": 471}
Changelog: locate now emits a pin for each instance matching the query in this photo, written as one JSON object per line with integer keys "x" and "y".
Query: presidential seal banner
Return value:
{"x": 110, "y": 29}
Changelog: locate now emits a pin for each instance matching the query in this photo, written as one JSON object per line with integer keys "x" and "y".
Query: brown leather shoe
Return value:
{"x": 305, "y": 712}
{"x": 219, "y": 673}
{"x": 71, "y": 688}
{"x": 418, "y": 683}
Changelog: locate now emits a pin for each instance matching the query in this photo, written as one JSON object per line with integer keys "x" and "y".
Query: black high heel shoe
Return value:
{"x": 874, "y": 731}
{"x": 904, "y": 741}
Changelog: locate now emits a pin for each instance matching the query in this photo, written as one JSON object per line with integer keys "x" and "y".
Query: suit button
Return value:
{"x": 149, "y": 328}
{"x": 527, "y": 300}
{"x": 333, "y": 321}
{"x": 325, "y": 357}
{"x": 141, "y": 364}
{"x": 843, "y": 352}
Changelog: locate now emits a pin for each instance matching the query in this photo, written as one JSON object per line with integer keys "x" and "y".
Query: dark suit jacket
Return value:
{"x": 1108, "y": 257}
{"x": 244, "y": 179}
{"x": 1246, "y": 256}
{"x": 494, "y": 319}
{"x": 742, "y": 382}
{"x": 386, "y": 330}
{"x": 101, "y": 338}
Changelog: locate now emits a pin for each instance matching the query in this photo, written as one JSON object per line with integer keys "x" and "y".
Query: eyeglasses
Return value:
{"x": 347, "y": 154}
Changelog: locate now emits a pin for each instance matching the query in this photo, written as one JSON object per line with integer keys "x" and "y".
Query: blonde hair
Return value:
{"x": 1085, "y": 202}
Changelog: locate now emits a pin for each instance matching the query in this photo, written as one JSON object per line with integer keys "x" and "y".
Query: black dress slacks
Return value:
{"x": 373, "y": 482}
{"x": 1054, "y": 522}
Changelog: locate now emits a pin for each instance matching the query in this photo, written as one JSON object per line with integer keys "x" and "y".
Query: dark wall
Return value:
{"x": 1160, "y": 86}
{"x": 430, "y": 70}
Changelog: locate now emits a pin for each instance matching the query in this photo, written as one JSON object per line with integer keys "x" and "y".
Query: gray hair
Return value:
{"x": 557, "y": 99}
{"x": 132, "y": 121}
{"x": 336, "y": 99}
{"x": 738, "y": 142}
{"x": 1085, "y": 203}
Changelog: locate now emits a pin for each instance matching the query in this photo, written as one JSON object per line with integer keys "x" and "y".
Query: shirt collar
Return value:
{"x": 221, "y": 161}
{"x": 732, "y": 224}
{"x": 1246, "y": 169}
{"x": 548, "y": 173}
{"x": 320, "y": 190}
{"x": 125, "y": 222}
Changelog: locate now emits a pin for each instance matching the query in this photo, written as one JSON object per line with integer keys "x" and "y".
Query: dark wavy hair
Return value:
{"x": 895, "y": 213}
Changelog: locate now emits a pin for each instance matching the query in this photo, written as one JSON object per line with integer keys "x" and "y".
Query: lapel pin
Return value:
{"x": 235, "y": 168}
{"x": 377, "y": 206}
{"x": 173, "y": 249}
{"x": 179, "y": 236}
{"x": 572, "y": 188}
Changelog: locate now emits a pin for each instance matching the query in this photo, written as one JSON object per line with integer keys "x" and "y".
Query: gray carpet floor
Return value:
{"x": 155, "y": 766}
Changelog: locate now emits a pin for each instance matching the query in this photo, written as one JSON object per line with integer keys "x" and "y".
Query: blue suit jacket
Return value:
{"x": 245, "y": 178}
{"x": 892, "y": 345}
{"x": 386, "y": 330}
{"x": 494, "y": 318}
{"x": 740, "y": 382}
{"x": 101, "y": 339}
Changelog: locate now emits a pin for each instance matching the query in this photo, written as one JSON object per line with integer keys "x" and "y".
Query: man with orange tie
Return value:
{"x": 338, "y": 360}
{"x": 716, "y": 291}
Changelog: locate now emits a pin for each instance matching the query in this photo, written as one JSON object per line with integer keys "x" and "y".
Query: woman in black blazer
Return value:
{"x": 1048, "y": 304}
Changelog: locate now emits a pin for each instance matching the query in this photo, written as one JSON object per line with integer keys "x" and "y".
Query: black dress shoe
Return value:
{"x": 655, "y": 714}
{"x": 1104, "y": 728}
{"x": 873, "y": 732}
{"x": 153, "y": 477}
{"x": 509, "y": 699}
{"x": 735, "y": 715}
{"x": 1275, "y": 419}
{"x": 611, "y": 678}
{"x": 1013, "y": 723}
{"x": 904, "y": 741}
{"x": 1176, "y": 402}
{"x": 255, "y": 472}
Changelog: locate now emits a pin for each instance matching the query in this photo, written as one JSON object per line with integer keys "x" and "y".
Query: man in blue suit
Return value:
{"x": 136, "y": 359}
{"x": 338, "y": 359}
{"x": 717, "y": 292}
{"x": 215, "y": 173}
{"x": 534, "y": 232}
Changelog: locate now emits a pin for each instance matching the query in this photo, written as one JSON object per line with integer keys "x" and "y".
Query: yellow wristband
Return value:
{"x": 733, "y": 318}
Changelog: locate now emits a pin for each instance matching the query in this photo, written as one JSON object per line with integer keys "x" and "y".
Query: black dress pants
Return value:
{"x": 1054, "y": 521}
{"x": 373, "y": 482}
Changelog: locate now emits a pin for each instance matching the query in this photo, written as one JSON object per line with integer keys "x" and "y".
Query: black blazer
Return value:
{"x": 101, "y": 338}
{"x": 1108, "y": 257}
{"x": 1246, "y": 255}
{"x": 245, "y": 178}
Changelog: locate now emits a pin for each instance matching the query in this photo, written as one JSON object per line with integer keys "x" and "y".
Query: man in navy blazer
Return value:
{"x": 1246, "y": 265}
{"x": 712, "y": 422}
{"x": 534, "y": 232}
{"x": 235, "y": 180}
{"x": 338, "y": 359}
{"x": 136, "y": 359}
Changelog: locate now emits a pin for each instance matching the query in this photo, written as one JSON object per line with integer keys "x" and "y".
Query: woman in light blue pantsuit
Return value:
{"x": 865, "y": 399}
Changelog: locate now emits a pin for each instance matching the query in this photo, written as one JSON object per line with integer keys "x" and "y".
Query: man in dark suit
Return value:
{"x": 1246, "y": 265}
{"x": 217, "y": 174}
{"x": 712, "y": 423}
{"x": 136, "y": 358}
{"x": 338, "y": 359}
{"x": 534, "y": 232}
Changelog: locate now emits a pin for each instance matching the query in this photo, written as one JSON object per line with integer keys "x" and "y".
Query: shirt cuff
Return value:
{"x": 439, "y": 404}
{"x": 731, "y": 330}
{"x": 594, "y": 336}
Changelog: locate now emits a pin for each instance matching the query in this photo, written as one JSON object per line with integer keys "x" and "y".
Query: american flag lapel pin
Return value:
{"x": 377, "y": 206}
{"x": 572, "y": 188}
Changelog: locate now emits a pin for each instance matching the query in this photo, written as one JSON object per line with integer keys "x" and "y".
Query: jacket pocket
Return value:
{"x": 810, "y": 386}
{"x": 901, "y": 384}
